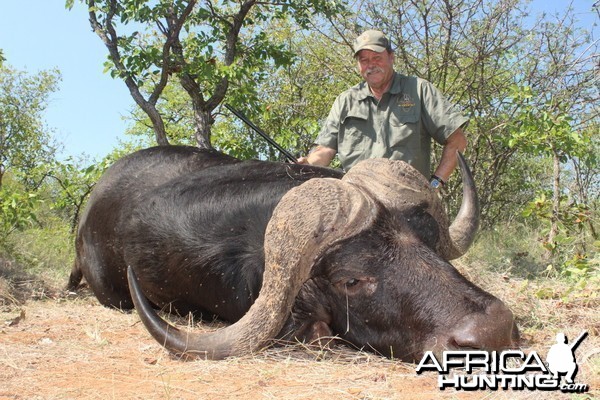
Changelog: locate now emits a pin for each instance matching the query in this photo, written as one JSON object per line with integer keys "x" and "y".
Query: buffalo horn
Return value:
{"x": 466, "y": 223}
{"x": 308, "y": 220}
{"x": 399, "y": 187}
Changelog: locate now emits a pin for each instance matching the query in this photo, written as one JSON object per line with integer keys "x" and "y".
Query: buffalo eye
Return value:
{"x": 352, "y": 282}
{"x": 365, "y": 286}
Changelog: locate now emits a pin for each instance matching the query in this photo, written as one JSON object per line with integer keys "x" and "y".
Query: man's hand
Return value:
{"x": 321, "y": 156}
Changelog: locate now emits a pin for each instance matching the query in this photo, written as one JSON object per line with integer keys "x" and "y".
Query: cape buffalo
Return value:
{"x": 286, "y": 251}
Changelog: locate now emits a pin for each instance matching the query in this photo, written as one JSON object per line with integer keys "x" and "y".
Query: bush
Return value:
{"x": 46, "y": 252}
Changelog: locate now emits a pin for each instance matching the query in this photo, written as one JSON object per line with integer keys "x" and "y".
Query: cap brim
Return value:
{"x": 373, "y": 47}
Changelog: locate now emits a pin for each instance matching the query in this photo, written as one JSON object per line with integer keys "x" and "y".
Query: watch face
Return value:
{"x": 435, "y": 183}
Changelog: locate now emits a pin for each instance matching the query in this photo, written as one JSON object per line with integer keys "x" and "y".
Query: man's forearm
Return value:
{"x": 456, "y": 142}
{"x": 321, "y": 156}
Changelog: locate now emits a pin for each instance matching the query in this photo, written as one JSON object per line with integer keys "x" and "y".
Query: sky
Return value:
{"x": 86, "y": 113}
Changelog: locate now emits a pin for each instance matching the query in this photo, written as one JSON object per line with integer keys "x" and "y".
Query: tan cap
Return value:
{"x": 372, "y": 40}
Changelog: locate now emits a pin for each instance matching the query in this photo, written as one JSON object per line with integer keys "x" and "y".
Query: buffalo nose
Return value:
{"x": 493, "y": 329}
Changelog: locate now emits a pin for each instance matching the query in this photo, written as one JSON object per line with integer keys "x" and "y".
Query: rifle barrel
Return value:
{"x": 241, "y": 116}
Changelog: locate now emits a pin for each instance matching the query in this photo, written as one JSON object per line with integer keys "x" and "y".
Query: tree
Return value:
{"x": 209, "y": 47}
{"x": 25, "y": 141}
{"x": 17, "y": 209}
{"x": 296, "y": 98}
{"x": 70, "y": 186}
{"x": 547, "y": 132}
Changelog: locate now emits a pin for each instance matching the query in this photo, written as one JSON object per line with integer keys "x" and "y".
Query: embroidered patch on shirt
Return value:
{"x": 406, "y": 102}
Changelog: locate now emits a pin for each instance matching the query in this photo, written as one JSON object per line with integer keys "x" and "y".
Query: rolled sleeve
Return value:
{"x": 440, "y": 117}
{"x": 328, "y": 136}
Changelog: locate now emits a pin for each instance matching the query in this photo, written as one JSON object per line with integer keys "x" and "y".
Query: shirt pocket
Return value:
{"x": 354, "y": 133}
{"x": 403, "y": 128}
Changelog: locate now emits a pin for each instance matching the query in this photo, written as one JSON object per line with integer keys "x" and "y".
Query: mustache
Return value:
{"x": 373, "y": 70}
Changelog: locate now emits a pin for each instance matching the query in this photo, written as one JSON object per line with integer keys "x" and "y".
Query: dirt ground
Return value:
{"x": 55, "y": 346}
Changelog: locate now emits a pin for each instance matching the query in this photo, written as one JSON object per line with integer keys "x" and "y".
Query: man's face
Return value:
{"x": 377, "y": 69}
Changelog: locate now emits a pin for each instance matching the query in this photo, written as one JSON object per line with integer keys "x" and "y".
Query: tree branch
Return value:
{"x": 110, "y": 38}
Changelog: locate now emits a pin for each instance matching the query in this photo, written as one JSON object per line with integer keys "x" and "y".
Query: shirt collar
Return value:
{"x": 396, "y": 87}
{"x": 364, "y": 91}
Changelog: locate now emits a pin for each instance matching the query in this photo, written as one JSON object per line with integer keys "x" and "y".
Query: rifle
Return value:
{"x": 241, "y": 116}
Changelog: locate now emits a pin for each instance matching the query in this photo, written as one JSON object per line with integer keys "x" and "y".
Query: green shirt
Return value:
{"x": 399, "y": 127}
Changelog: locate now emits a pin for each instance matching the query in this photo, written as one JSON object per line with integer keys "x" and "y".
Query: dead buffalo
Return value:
{"x": 286, "y": 251}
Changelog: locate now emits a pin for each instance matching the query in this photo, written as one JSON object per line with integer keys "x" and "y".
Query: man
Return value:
{"x": 389, "y": 115}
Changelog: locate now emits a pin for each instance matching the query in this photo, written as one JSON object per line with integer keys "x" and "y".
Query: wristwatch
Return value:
{"x": 436, "y": 182}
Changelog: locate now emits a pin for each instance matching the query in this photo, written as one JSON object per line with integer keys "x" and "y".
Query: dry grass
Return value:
{"x": 70, "y": 347}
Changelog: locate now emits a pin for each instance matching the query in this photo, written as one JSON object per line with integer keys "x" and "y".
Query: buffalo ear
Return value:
{"x": 316, "y": 331}
{"x": 309, "y": 331}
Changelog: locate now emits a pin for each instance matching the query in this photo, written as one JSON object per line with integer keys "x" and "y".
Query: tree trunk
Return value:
{"x": 203, "y": 128}
{"x": 157, "y": 123}
{"x": 555, "y": 201}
